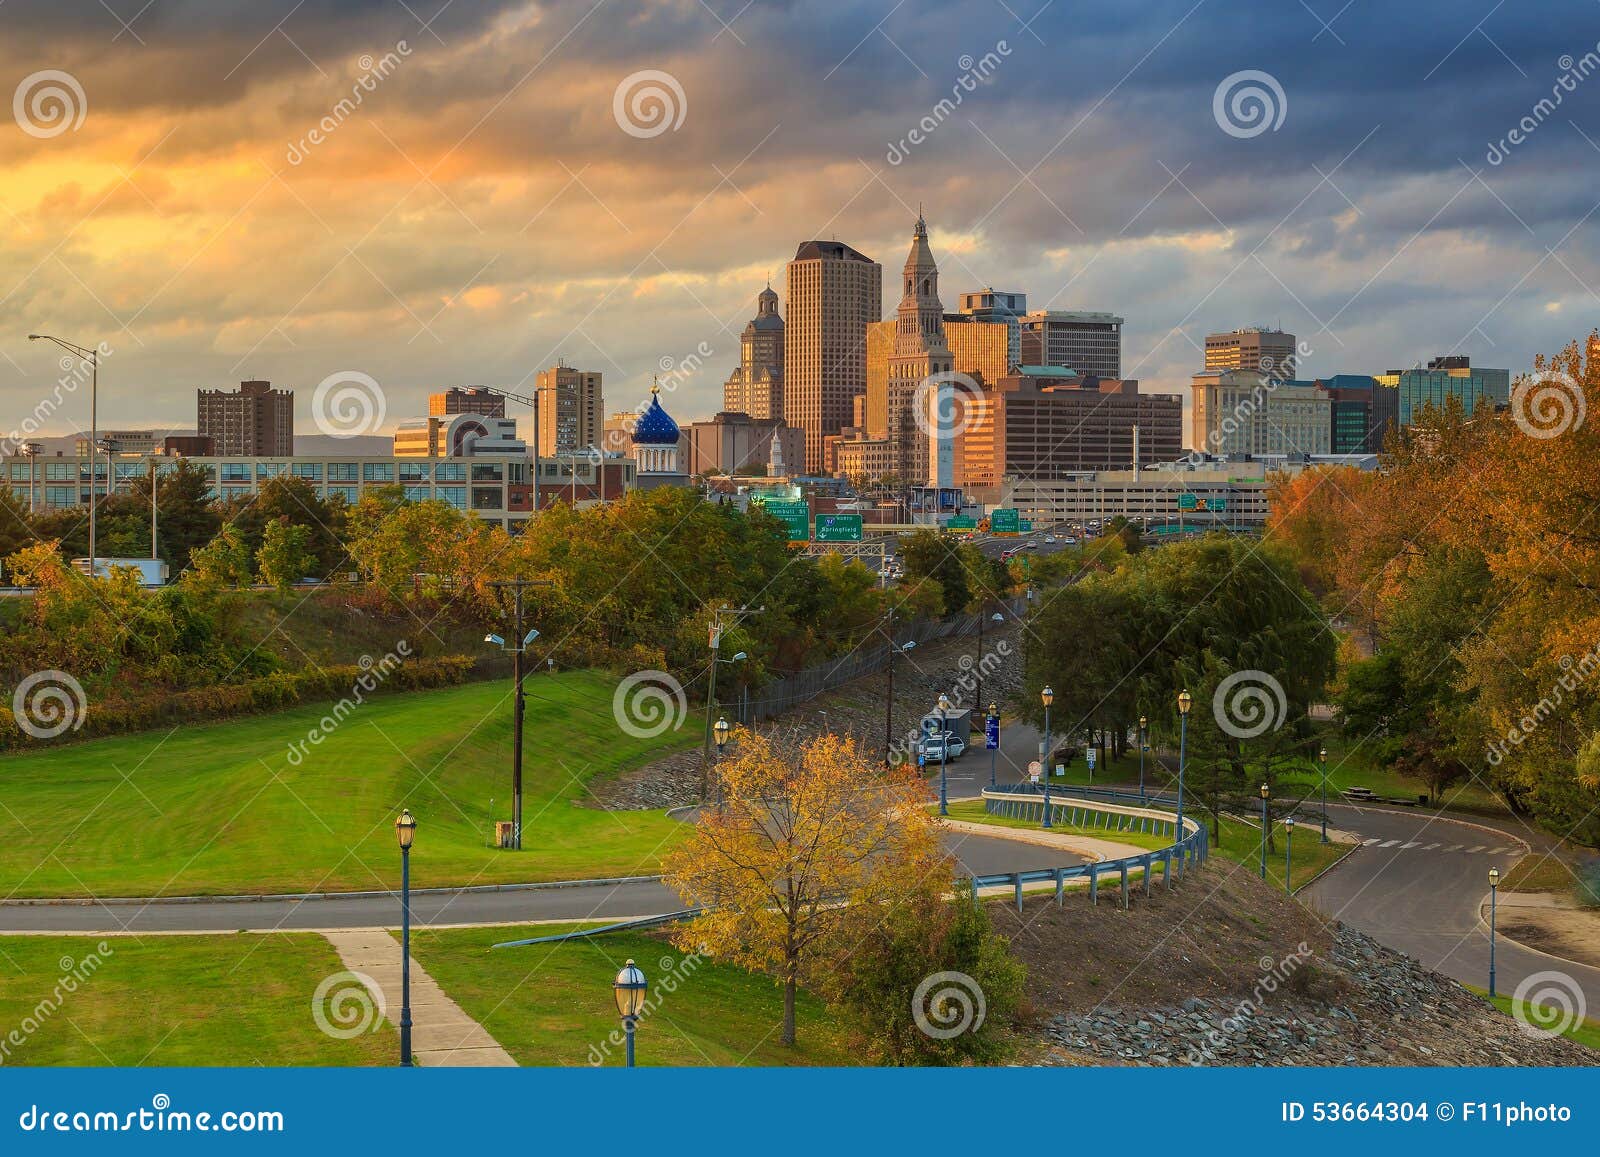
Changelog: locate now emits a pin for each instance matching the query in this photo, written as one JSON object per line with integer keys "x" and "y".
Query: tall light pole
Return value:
{"x": 1185, "y": 701}
{"x": 1048, "y": 697}
{"x": 977, "y": 692}
{"x": 994, "y": 752}
{"x": 721, "y": 729}
{"x": 888, "y": 703}
{"x": 944, "y": 753}
{"x": 31, "y": 449}
{"x": 717, "y": 628}
{"x": 1288, "y": 854}
{"x": 405, "y": 829}
{"x": 92, "y": 356}
{"x": 1322, "y": 757}
{"x": 629, "y": 988}
{"x": 519, "y": 701}
{"x": 1494, "y": 892}
{"x": 1266, "y": 825}
{"x": 1144, "y": 725}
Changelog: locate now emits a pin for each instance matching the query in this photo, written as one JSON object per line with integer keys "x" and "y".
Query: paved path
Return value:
{"x": 442, "y": 1034}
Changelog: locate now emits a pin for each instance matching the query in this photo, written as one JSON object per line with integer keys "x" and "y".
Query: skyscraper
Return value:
{"x": 472, "y": 400}
{"x": 1090, "y": 343}
{"x": 569, "y": 410}
{"x": 1271, "y": 351}
{"x": 1000, "y": 305}
{"x": 255, "y": 419}
{"x": 919, "y": 352}
{"x": 756, "y": 387}
{"x": 834, "y": 293}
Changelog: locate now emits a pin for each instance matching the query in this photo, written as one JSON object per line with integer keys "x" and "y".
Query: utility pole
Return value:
{"x": 517, "y": 645}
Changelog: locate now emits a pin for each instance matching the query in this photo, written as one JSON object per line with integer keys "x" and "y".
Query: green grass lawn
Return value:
{"x": 551, "y": 1004}
{"x": 1585, "y": 1032}
{"x": 174, "y": 1000}
{"x": 219, "y": 808}
{"x": 1239, "y": 842}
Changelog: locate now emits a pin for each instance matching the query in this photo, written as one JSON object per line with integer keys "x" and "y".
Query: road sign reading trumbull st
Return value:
{"x": 838, "y": 528}
{"x": 796, "y": 516}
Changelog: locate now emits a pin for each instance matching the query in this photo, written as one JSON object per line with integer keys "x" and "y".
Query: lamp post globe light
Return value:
{"x": 1322, "y": 758}
{"x": 405, "y": 830}
{"x": 629, "y": 988}
{"x": 994, "y": 718}
{"x": 1266, "y": 826}
{"x": 1288, "y": 854}
{"x": 1047, "y": 696}
{"x": 720, "y": 731}
{"x": 1185, "y": 701}
{"x": 1494, "y": 892}
{"x": 1144, "y": 746}
{"x": 944, "y": 752}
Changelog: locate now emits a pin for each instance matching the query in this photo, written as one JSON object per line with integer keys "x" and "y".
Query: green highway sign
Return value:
{"x": 1024, "y": 526}
{"x": 838, "y": 528}
{"x": 795, "y": 515}
{"x": 1004, "y": 521}
{"x": 1216, "y": 504}
{"x": 962, "y": 522}
{"x": 1188, "y": 502}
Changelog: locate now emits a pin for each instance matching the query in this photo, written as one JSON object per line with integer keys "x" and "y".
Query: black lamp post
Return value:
{"x": 1185, "y": 700}
{"x": 1288, "y": 854}
{"x": 1144, "y": 729}
{"x": 1494, "y": 892}
{"x": 1047, "y": 696}
{"x": 720, "y": 732}
{"x": 629, "y": 989}
{"x": 944, "y": 754}
{"x": 1322, "y": 757}
{"x": 405, "y": 829}
{"x": 1266, "y": 825}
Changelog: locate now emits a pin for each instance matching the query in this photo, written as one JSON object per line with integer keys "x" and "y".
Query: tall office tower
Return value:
{"x": 919, "y": 352}
{"x": 1090, "y": 343}
{"x": 1000, "y": 306}
{"x": 472, "y": 400}
{"x": 834, "y": 293}
{"x": 981, "y": 349}
{"x": 756, "y": 387}
{"x": 569, "y": 410}
{"x": 1270, "y": 351}
{"x": 254, "y": 420}
{"x": 1249, "y": 412}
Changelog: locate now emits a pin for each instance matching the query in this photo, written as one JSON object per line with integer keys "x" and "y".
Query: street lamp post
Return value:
{"x": 1288, "y": 854}
{"x": 629, "y": 988}
{"x": 1185, "y": 700}
{"x": 722, "y": 729}
{"x": 519, "y": 703}
{"x": 92, "y": 356}
{"x": 1144, "y": 725}
{"x": 31, "y": 449}
{"x": 994, "y": 719}
{"x": 1047, "y": 696}
{"x": 1494, "y": 892}
{"x": 944, "y": 753}
{"x": 1322, "y": 757}
{"x": 1266, "y": 825}
{"x": 405, "y": 829}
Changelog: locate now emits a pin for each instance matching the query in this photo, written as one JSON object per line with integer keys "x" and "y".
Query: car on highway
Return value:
{"x": 946, "y": 747}
{"x": 1070, "y": 541}
{"x": 1050, "y": 538}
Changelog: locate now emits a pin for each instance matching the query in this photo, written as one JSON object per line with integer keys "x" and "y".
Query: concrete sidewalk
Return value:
{"x": 442, "y": 1034}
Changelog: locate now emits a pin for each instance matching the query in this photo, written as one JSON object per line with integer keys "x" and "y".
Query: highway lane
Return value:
{"x": 975, "y": 855}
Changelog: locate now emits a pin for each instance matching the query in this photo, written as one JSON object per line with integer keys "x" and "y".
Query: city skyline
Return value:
{"x": 494, "y": 200}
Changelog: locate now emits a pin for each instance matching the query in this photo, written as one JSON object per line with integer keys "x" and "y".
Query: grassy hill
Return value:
{"x": 221, "y": 808}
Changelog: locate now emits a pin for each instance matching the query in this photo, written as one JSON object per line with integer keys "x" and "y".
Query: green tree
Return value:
{"x": 223, "y": 563}
{"x": 285, "y": 553}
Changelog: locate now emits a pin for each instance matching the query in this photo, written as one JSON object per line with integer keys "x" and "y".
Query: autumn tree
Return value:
{"x": 285, "y": 553}
{"x": 810, "y": 844}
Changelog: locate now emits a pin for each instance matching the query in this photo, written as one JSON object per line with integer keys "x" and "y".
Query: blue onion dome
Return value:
{"x": 655, "y": 427}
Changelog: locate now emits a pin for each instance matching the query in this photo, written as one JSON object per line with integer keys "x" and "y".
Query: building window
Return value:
{"x": 456, "y": 496}
{"x": 414, "y": 471}
{"x": 420, "y": 493}
{"x": 269, "y": 469}
{"x": 350, "y": 494}
{"x": 60, "y": 497}
{"x": 486, "y": 498}
{"x": 342, "y": 472}
{"x": 456, "y": 472}
{"x": 60, "y": 471}
{"x": 311, "y": 470}
{"x": 378, "y": 471}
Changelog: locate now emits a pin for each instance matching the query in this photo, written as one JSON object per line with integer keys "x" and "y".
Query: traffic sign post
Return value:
{"x": 1090, "y": 754}
{"x": 796, "y": 516}
{"x": 838, "y": 528}
{"x": 991, "y": 740}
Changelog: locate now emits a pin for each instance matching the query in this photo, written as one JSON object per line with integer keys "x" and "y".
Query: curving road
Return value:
{"x": 977, "y": 855}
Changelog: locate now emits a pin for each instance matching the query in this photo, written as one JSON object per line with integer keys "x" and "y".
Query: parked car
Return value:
{"x": 946, "y": 747}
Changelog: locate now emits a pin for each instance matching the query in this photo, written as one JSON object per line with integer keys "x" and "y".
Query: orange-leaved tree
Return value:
{"x": 810, "y": 843}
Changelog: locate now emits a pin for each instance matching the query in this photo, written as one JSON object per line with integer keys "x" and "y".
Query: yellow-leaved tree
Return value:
{"x": 810, "y": 844}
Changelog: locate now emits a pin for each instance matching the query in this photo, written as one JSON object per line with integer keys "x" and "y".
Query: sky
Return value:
{"x": 393, "y": 197}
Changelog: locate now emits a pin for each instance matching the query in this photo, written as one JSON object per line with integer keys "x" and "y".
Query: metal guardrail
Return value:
{"x": 623, "y": 926}
{"x": 1025, "y": 801}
